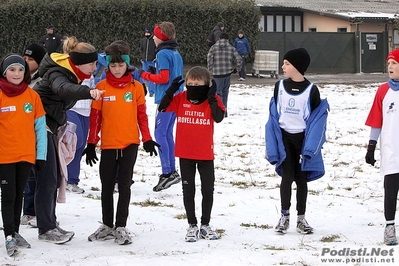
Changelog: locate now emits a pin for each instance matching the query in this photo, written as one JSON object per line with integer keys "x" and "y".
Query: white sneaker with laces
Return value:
{"x": 283, "y": 224}
{"x": 192, "y": 233}
{"x": 390, "y": 235}
{"x": 26, "y": 218}
{"x": 303, "y": 227}
{"x": 55, "y": 236}
{"x": 74, "y": 188}
{"x": 122, "y": 236}
{"x": 11, "y": 246}
{"x": 104, "y": 232}
{"x": 207, "y": 233}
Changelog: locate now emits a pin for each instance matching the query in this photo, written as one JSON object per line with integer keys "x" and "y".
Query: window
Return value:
{"x": 342, "y": 30}
{"x": 288, "y": 24}
{"x": 283, "y": 22}
{"x": 270, "y": 23}
{"x": 312, "y": 29}
{"x": 279, "y": 24}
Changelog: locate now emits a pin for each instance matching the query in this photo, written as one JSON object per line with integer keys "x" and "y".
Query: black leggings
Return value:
{"x": 391, "y": 187}
{"x": 13, "y": 178}
{"x": 291, "y": 171}
{"x": 206, "y": 170}
{"x": 117, "y": 163}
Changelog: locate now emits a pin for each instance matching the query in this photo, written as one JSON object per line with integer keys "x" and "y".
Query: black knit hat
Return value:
{"x": 299, "y": 58}
{"x": 36, "y": 51}
{"x": 224, "y": 35}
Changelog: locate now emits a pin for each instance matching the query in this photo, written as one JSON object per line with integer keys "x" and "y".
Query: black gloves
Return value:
{"x": 149, "y": 146}
{"x": 91, "y": 156}
{"x": 234, "y": 71}
{"x": 145, "y": 88}
{"x": 152, "y": 70}
{"x": 370, "y": 152}
{"x": 212, "y": 93}
{"x": 176, "y": 83}
{"x": 40, "y": 164}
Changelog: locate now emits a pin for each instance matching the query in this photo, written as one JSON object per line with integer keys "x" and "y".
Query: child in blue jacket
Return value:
{"x": 243, "y": 47}
{"x": 295, "y": 133}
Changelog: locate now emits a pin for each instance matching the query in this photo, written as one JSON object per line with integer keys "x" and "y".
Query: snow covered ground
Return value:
{"x": 345, "y": 206}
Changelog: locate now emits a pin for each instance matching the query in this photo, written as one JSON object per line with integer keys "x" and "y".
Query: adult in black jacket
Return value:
{"x": 51, "y": 41}
{"x": 217, "y": 30}
{"x": 59, "y": 90}
{"x": 147, "y": 49}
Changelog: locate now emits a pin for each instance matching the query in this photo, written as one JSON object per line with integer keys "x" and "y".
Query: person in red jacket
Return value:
{"x": 121, "y": 116}
{"x": 196, "y": 109}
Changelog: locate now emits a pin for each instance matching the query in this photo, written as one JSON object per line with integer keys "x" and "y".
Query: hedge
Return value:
{"x": 101, "y": 22}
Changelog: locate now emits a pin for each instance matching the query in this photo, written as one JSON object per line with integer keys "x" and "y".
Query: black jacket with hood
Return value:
{"x": 59, "y": 89}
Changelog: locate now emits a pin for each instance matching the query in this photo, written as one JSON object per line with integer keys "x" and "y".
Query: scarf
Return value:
{"x": 197, "y": 94}
{"x": 118, "y": 82}
{"x": 169, "y": 44}
{"x": 393, "y": 84}
{"x": 12, "y": 90}
{"x": 78, "y": 72}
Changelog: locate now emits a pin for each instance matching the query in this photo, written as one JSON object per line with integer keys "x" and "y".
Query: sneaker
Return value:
{"x": 33, "y": 222}
{"x": 303, "y": 227}
{"x": 241, "y": 79}
{"x": 192, "y": 233}
{"x": 102, "y": 233}
{"x": 55, "y": 236}
{"x": 11, "y": 246}
{"x": 167, "y": 180}
{"x": 207, "y": 233}
{"x": 283, "y": 224}
{"x": 122, "y": 236}
{"x": 26, "y": 218}
{"x": 21, "y": 242}
{"x": 65, "y": 232}
{"x": 390, "y": 235}
{"x": 74, "y": 188}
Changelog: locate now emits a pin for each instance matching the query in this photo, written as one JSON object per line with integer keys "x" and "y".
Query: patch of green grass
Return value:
{"x": 330, "y": 238}
{"x": 91, "y": 196}
{"x": 240, "y": 184}
{"x": 339, "y": 164}
{"x": 220, "y": 233}
{"x": 151, "y": 203}
{"x": 313, "y": 192}
{"x": 95, "y": 189}
{"x": 262, "y": 226}
{"x": 181, "y": 216}
{"x": 268, "y": 247}
{"x": 329, "y": 187}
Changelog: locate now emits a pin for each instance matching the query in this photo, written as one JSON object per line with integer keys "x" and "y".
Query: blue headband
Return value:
{"x": 125, "y": 58}
{"x": 13, "y": 60}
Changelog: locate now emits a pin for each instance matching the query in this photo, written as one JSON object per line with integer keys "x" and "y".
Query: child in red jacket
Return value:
{"x": 196, "y": 108}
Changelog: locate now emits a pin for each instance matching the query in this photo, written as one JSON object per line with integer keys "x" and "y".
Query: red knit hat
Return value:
{"x": 394, "y": 55}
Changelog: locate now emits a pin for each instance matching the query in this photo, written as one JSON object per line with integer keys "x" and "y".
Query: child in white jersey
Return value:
{"x": 383, "y": 120}
{"x": 295, "y": 107}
